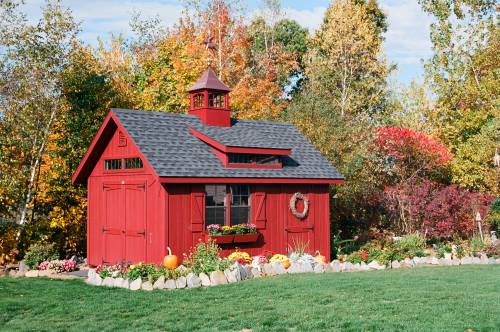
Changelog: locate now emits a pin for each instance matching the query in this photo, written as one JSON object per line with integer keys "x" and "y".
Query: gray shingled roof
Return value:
{"x": 173, "y": 151}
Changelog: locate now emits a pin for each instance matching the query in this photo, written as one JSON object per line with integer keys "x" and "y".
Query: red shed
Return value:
{"x": 159, "y": 179}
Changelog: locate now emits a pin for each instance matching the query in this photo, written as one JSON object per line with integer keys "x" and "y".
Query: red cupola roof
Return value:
{"x": 209, "y": 81}
{"x": 209, "y": 100}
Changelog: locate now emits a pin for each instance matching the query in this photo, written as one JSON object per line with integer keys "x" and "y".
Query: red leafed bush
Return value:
{"x": 435, "y": 210}
{"x": 409, "y": 154}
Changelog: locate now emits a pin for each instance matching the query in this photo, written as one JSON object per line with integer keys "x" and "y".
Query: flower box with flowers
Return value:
{"x": 242, "y": 233}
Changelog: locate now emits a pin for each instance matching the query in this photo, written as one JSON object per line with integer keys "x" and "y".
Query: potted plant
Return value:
{"x": 245, "y": 233}
{"x": 220, "y": 234}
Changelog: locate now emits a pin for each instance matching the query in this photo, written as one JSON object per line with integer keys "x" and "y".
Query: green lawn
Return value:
{"x": 423, "y": 299}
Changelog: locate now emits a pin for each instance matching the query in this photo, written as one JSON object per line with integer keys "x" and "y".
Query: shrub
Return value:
{"x": 144, "y": 271}
{"x": 440, "y": 212}
{"x": 412, "y": 245}
{"x": 205, "y": 258}
{"x": 493, "y": 250}
{"x": 358, "y": 257}
{"x": 38, "y": 253}
{"x": 443, "y": 249}
{"x": 494, "y": 216}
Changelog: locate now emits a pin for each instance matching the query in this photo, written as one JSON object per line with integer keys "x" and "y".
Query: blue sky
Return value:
{"x": 407, "y": 39}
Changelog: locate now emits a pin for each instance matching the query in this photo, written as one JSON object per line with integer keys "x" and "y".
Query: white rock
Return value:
{"x": 217, "y": 278}
{"x": 193, "y": 281}
{"x": 278, "y": 268}
{"x": 205, "y": 280}
{"x": 364, "y": 267}
{"x": 455, "y": 262}
{"x": 374, "y": 265}
{"x": 319, "y": 268}
{"x": 307, "y": 267}
{"x": 335, "y": 266}
{"x": 348, "y": 267}
{"x": 159, "y": 283}
{"x": 147, "y": 286}
{"x": 118, "y": 282}
{"x": 181, "y": 282}
{"x": 395, "y": 265}
{"x": 434, "y": 260}
{"x": 268, "y": 269}
{"x": 484, "y": 259}
{"x": 256, "y": 273}
{"x": 170, "y": 284}
{"x": 491, "y": 260}
{"x": 44, "y": 273}
{"x": 31, "y": 273}
{"x": 408, "y": 262}
{"x": 445, "y": 262}
{"x": 497, "y": 260}
{"x": 136, "y": 284}
{"x": 125, "y": 284}
{"x": 466, "y": 260}
{"x": 108, "y": 282}
{"x": 91, "y": 273}
{"x": 476, "y": 260}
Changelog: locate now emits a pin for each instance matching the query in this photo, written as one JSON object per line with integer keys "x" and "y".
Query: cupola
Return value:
{"x": 209, "y": 100}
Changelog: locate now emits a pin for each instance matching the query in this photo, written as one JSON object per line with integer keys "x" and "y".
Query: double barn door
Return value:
{"x": 124, "y": 223}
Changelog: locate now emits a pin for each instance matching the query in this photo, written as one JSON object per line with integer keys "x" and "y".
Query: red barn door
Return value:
{"x": 124, "y": 231}
{"x": 300, "y": 231}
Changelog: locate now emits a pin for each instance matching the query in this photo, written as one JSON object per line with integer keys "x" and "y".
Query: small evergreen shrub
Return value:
{"x": 412, "y": 245}
{"x": 40, "y": 252}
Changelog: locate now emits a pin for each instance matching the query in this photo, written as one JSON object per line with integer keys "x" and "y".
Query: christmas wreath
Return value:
{"x": 293, "y": 205}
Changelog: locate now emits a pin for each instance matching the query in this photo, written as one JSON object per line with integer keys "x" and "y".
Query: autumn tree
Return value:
{"x": 32, "y": 60}
{"x": 345, "y": 61}
{"x": 463, "y": 74}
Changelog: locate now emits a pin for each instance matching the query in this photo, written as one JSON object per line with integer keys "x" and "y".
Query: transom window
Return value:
{"x": 255, "y": 159}
{"x": 216, "y": 100}
{"x": 198, "y": 100}
{"x": 227, "y": 204}
{"x": 112, "y": 164}
{"x": 125, "y": 163}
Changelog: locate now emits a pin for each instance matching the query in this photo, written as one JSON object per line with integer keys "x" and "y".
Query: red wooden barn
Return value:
{"x": 159, "y": 179}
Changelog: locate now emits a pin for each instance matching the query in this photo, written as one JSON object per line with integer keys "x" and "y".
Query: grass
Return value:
{"x": 424, "y": 299}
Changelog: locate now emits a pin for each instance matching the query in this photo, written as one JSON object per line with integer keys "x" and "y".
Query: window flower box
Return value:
{"x": 243, "y": 238}
{"x": 220, "y": 239}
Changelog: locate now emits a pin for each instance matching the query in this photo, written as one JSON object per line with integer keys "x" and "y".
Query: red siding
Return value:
{"x": 270, "y": 212}
{"x": 126, "y": 210}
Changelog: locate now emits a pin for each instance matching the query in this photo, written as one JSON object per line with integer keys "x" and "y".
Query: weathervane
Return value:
{"x": 210, "y": 46}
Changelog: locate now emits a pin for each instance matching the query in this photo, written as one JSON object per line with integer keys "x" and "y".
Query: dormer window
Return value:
{"x": 216, "y": 100}
{"x": 253, "y": 159}
{"x": 198, "y": 100}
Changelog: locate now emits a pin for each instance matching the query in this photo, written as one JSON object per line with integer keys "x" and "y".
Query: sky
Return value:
{"x": 406, "y": 42}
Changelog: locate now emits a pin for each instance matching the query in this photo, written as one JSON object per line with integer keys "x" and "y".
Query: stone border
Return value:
{"x": 239, "y": 273}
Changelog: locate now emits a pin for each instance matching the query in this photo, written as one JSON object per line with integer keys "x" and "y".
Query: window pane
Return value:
{"x": 112, "y": 164}
{"x": 240, "y": 203}
{"x": 215, "y": 215}
{"x": 133, "y": 163}
{"x": 215, "y": 204}
{"x": 239, "y": 214}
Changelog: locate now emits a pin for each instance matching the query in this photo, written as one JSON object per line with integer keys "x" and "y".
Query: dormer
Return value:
{"x": 209, "y": 100}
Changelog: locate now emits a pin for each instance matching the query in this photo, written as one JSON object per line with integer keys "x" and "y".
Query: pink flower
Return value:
{"x": 43, "y": 265}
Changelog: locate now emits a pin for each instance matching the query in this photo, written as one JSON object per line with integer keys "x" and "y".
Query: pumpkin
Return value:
{"x": 286, "y": 264}
{"x": 170, "y": 261}
{"x": 320, "y": 258}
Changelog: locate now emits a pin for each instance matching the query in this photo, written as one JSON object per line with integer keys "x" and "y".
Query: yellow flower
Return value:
{"x": 278, "y": 258}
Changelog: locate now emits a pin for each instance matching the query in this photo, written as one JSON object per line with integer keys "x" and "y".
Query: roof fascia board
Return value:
{"x": 249, "y": 180}
{"x": 233, "y": 149}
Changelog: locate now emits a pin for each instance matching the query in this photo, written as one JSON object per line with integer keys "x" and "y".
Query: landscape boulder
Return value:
{"x": 217, "y": 278}
{"x": 193, "y": 281}
{"x": 181, "y": 282}
{"x": 136, "y": 284}
{"x": 160, "y": 283}
{"x": 205, "y": 280}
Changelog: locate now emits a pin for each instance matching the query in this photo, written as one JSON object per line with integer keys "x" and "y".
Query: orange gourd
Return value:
{"x": 286, "y": 264}
{"x": 320, "y": 258}
{"x": 170, "y": 261}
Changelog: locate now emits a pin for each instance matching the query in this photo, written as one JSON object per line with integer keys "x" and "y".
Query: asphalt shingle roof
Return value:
{"x": 173, "y": 151}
